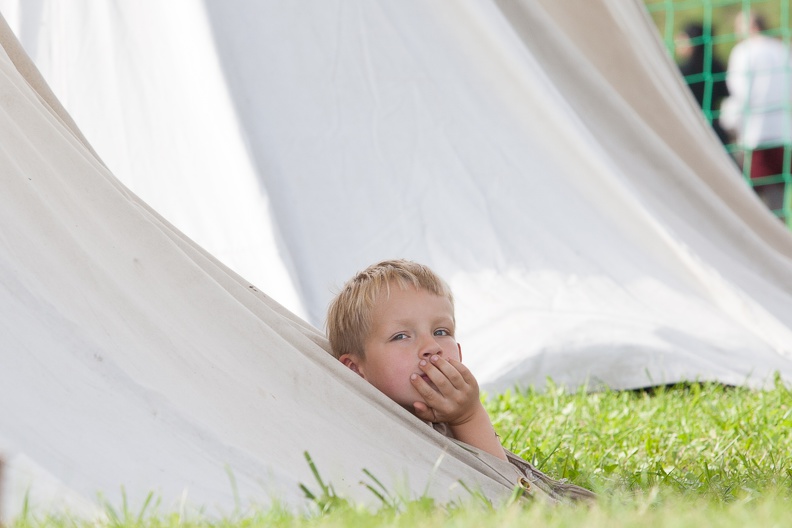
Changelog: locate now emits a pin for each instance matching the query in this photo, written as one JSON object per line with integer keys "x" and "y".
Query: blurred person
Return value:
{"x": 759, "y": 78}
{"x": 708, "y": 76}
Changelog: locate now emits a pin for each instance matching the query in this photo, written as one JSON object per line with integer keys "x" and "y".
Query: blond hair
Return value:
{"x": 349, "y": 314}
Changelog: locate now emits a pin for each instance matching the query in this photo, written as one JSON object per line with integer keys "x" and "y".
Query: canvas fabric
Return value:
{"x": 180, "y": 206}
{"x": 133, "y": 362}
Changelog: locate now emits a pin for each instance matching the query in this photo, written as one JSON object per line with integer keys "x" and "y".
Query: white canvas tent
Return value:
{"x": 135, "y": 363}
{"x": 543, "y": 156}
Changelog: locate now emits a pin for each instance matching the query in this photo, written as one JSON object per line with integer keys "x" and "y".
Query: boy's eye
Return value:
{"x": 442, "y": 332}
{"x": 399, "y": 337}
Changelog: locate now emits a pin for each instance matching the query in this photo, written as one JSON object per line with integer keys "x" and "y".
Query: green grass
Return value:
{"x": 716, "y": 442}
{"x": 691, "y": 455}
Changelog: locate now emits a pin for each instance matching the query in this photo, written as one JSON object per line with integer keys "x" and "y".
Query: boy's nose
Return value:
{"x": 430, "y": 347}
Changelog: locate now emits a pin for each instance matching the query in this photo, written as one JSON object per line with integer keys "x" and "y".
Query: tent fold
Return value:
{"x": 134, "y": 362}
{"x": 180, "y": 207}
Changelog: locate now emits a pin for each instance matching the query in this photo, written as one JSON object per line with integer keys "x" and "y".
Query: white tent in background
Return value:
{"x": 544, "y": 157}
{"x": 541, "y": 155}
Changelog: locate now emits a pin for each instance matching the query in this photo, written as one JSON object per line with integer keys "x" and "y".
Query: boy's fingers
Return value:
{"x": 429, "y": 394}
{"x": 445, "y": 371}
{"x": 457, "y": 372}
{"x": 437, "y": 403}
{"x": 437, "y": 377}
{"x": 423, "y": 412}
{"x": 468, "y": 376}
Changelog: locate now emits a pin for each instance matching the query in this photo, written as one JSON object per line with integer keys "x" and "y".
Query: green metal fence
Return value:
{"x": 713, "y": 37}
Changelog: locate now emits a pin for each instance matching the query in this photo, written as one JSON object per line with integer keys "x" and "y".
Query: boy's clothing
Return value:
{"x": 556, "y": 490}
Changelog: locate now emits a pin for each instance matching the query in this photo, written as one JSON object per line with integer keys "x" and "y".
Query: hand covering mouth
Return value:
{"x": 428, "y": 380}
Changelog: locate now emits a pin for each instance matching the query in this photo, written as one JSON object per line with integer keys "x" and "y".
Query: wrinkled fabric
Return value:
{"x": 181, "y": 205}
{"x": 135, "y": 366}
{"x": 545, "y": 158}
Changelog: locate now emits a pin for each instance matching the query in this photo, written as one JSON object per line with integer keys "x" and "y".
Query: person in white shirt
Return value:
{"x": 759, "y": 107}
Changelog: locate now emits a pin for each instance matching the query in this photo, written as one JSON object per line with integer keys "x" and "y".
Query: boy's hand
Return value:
{"x": 454, "y": 398}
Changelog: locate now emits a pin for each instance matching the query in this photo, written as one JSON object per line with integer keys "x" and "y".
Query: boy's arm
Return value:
{"x": 455, "y": 401}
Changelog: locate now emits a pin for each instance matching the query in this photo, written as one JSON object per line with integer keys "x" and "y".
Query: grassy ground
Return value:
{"x": 715, "y": 442}
{"x": 695, "y": 455}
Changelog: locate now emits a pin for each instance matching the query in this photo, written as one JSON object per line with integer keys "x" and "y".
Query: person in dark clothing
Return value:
{"x": 704, "y": 73}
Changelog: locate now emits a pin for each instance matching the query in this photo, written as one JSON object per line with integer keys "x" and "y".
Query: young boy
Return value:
{"x": 393, "y": 324}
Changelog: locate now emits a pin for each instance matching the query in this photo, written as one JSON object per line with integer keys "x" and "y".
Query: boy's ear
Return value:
{"x": 460, "y": 352}
{"x": 352, "y": 363}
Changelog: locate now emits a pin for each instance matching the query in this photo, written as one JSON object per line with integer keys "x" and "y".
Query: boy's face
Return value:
{"x": 407, "y": 326}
